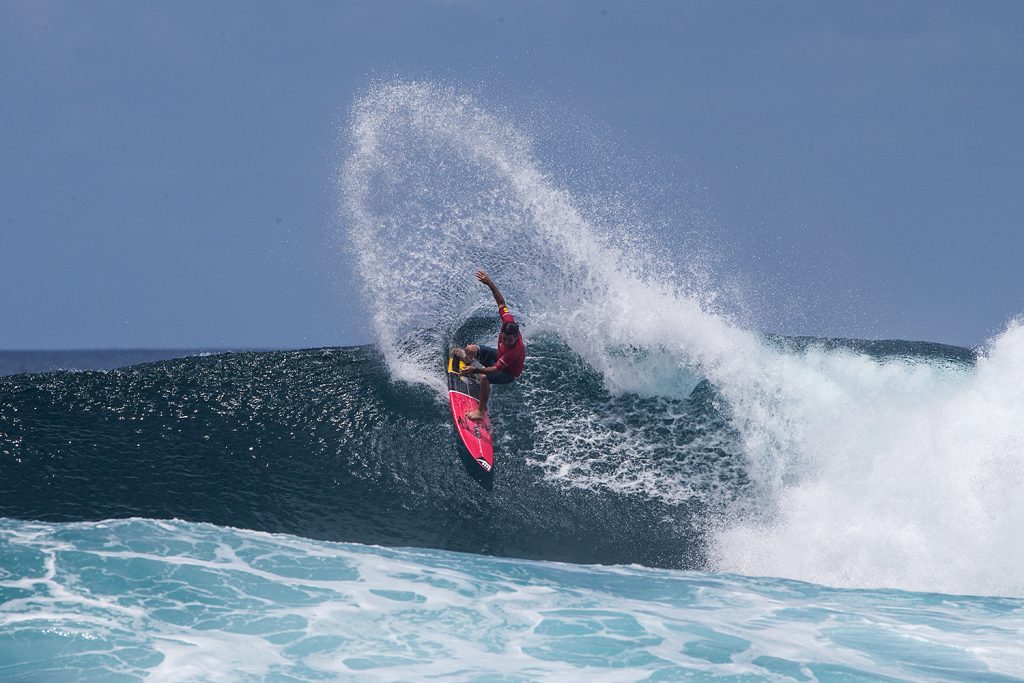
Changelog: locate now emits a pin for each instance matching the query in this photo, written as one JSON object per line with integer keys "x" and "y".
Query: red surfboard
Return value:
{"x": 464, "y": 396}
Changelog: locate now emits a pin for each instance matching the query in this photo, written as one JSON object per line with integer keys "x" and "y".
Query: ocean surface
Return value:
{"x": 676, "y": 496}
{"x": 298, "y": 515}
{"x": 21, "y": 362}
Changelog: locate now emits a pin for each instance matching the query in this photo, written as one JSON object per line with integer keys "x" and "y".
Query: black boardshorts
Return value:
{"x": 488, "y": 356}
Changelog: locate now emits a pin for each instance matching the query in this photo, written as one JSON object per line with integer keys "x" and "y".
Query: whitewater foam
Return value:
{"x": 869, "y": 472}
{"x": 896, "y": 474}
{"x": 155, "y": 600}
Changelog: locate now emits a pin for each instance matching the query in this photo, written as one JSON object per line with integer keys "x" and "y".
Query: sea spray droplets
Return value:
{"x": 463, "y": 191}
{"x": 435, "y": 187}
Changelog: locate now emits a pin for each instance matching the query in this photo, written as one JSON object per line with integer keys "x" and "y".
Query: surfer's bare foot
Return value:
{"x": 475, "y": 415}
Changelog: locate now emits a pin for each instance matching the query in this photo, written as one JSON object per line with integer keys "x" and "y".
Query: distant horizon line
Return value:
{"x": 173, "y": 348}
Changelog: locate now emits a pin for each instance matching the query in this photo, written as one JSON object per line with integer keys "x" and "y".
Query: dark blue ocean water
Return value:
{"x": 321, "y": 444}
{"x": 18, "y": 362}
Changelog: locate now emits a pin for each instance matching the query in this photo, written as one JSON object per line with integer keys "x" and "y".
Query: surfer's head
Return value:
{"x": 510, "y": 331}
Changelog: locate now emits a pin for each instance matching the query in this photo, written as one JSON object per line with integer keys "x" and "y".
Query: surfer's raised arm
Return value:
{"x": 490, "y": 365}
{"x": 485, "y": 278}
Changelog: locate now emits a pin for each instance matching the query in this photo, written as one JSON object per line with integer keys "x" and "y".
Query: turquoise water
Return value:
{"x": 168, "y": 600}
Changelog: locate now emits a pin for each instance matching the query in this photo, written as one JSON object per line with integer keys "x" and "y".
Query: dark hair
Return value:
{"x": 510, "y": 328}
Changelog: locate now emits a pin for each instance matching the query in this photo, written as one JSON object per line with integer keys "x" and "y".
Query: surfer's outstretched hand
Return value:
{"x": 483, "y": 277}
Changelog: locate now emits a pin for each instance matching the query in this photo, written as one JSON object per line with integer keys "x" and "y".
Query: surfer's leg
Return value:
{"x": 485, "y": 392}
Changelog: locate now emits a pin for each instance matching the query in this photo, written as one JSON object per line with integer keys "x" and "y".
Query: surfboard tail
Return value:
{"x": 464, "y": 397}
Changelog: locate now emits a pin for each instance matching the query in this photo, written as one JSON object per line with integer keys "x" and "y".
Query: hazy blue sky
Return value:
{"x": 166, "y": 168}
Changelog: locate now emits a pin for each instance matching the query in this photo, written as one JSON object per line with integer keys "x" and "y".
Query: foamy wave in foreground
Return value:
{"x": 171, "y": 601}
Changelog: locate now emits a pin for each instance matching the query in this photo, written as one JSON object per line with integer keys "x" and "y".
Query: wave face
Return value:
{"x": 139, "y": 599}
{"x": 322, "y": 444}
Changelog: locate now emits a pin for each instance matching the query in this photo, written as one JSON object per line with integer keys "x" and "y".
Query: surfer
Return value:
{"x": 495, "y": 366}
